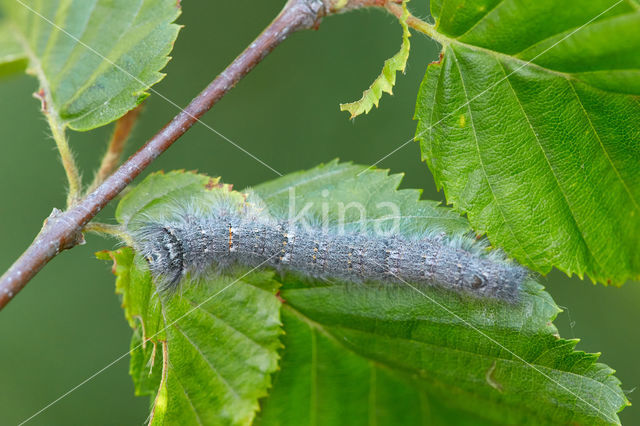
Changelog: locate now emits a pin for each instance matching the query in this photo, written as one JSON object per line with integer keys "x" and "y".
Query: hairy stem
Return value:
{"x": 57, "y": 127}
{"x": 63, "y": 230}
{"x": 116, "y": 146}
{"x": 417, "y": 23}
{"x": 68, "y": 161}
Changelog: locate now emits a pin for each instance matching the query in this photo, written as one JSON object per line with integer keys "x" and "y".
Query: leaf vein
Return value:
{"x": 551, "y": 169}
{"x": 314, "y": 377}
{"x": 108, "y": 60}
{"x": 211, "y": 366}
{"x": 604, "y": 150}
{"x": 571, "y": 31}
{"x": 372, "y": 394}
{"x": 433, "y": 108}
{"x": 339, "y": 341}
{"x": 481, "y": 18}
{"x": 484, "y": 171}
{"x": 226, "y": 323}
{"x": 186, "y": 394}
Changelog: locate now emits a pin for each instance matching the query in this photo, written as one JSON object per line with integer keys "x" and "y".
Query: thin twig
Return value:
{"x": 63, "y": 230}
{"x": 112, "y": 157}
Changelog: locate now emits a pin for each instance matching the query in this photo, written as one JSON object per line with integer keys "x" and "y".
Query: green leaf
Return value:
{"x": 531, "y": 121}
{"x": 95, "y": 59}
{"x": 12, "y": 58}
{"x": 387, "y": 78}
{"x": 374, "y": 354}
{"x": 353, "y": 354}
{"x": 204, "y": 355}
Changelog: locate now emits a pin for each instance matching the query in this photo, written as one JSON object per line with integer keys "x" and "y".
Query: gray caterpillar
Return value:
{"x": 195, "y": 244}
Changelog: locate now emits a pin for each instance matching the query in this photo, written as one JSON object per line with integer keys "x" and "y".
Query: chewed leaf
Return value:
{"x": 387, "y": 78}
{"x": 354, "y": 354}
{"x": 390, "y": 355}
{"x": 205, "y": 355}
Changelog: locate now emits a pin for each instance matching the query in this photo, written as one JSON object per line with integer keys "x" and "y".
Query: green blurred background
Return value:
{"x": 67, "y": 324}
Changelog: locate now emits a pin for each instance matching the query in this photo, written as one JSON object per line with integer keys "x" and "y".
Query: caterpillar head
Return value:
{"x": 164, "y": 253}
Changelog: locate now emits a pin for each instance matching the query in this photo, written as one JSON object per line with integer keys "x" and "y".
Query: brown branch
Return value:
{"x": 63, "y": 230}
{"x": 116, "y": 146}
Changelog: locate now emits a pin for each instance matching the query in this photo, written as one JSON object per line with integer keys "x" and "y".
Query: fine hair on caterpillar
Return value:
{"x": 195, "y": 241}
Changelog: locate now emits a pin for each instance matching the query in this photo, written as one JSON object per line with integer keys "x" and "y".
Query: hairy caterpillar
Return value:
{"x": 196, "y": 242}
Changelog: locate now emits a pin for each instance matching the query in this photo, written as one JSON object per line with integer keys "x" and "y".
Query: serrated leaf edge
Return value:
{"x": 387, "y": 78}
